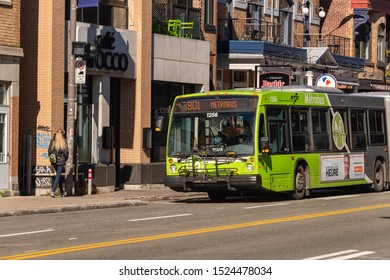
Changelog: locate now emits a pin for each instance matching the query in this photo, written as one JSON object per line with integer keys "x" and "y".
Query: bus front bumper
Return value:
{"x": 241, "y": 183}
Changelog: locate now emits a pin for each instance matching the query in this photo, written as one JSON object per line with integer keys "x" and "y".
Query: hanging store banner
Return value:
{"x": 88, "y": 3}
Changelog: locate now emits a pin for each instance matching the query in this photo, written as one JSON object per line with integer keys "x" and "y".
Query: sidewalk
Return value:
{"x": 27, "y": 205}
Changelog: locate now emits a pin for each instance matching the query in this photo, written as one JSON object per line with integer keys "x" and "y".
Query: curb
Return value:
{"x": 69, "y": 208}
{"x": 125, "y": 202}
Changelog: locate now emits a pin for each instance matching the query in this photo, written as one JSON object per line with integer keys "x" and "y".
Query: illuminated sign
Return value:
{"x": 216, "y": 104}
{"x": 274, "y": 79}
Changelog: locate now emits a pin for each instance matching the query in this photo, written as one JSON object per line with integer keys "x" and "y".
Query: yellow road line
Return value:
{"x": 44, "y": 253}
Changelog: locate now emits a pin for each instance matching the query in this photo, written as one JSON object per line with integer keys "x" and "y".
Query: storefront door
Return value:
{"x": 4, "y": 147}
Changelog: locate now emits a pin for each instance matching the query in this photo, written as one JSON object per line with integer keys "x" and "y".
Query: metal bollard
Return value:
{"x": 89, "y": 181}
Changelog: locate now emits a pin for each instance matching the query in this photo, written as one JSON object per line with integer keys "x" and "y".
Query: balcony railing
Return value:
{"x": 249, "y": 29}
{"x": 165, "y": 10}
{"x": 257, "y": 30}
{"x": 336, "y": 44}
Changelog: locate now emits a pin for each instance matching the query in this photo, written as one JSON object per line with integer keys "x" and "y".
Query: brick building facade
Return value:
{"x": 10, "y": 55}
{"x": 116, "y": 108}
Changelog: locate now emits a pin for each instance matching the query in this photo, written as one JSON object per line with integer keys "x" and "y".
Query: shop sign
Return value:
{"x": 106, "y": 57}
{"x": 380, "y": 87}
{"x": 274, "y": 79}
{"x": 326, "y": 80}
{"x": 115, "y": 53}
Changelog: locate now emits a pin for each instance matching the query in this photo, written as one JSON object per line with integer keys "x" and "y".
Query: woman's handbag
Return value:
{"x": 53, "y": 158}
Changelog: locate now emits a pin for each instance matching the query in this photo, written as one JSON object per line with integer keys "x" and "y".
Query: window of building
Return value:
{"x": 109, "y": 13}
{"x": 240, "y": 79}
{"x": 284, "y": 34}
{"x": 163, "y": 95}
{"x": 362, "y": 41}
{"x": 4, "y": 98}
{"x": 209, "y": 12}
{"x": 6, "y": 2}
{"x": 381, "y": 43}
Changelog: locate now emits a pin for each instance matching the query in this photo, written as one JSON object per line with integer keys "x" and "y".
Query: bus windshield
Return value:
{"x": 212, "y": 130}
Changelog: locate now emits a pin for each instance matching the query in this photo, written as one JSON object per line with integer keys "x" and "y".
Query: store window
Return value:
{"x": 240, "y": 79}
{"x": 83, "y": 121}
{"x": 108, "y": 13}
{"x": 163, "y": 95}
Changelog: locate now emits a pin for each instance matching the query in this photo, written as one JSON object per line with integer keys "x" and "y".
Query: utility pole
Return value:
{"x": 71, "y": 111}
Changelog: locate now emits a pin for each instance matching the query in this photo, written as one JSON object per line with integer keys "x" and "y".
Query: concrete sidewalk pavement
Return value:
{"x": 27, "y": 205}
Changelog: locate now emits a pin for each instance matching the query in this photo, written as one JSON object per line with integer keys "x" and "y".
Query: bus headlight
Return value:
{"x": 173, "y": 168}
{"x": 249, "y": 167}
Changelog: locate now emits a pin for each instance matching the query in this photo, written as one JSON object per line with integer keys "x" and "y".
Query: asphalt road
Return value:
{"x": 329, "y": 225}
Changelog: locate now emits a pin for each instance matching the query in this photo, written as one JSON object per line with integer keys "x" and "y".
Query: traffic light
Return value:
{"x": 83, "y": 50}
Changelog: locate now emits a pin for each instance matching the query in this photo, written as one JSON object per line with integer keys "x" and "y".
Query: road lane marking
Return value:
{"x": 159, "y": 217}
{"x": 342, "y": 255}
{"x": 45, "y": 253}
{"x": 266, "y": 205}
{"x": 27, "y": 233}
{"x": 336, "y": 197}
{"x": 331, "y": 255}
{"x": 352, "y": 256}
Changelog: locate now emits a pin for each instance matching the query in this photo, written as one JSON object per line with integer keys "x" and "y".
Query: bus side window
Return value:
{"x": 320, "y": 131}
{"x": 277, "y": 137}
{"x": 277, "y": 133}
{"x": 300, "y": 130}
{"x": 358, "y": 128}
{"x": 377, "y": 127}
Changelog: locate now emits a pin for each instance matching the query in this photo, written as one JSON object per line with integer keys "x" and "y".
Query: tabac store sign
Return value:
{"x": 273, "y": 79}
{"x": 116, "y": 50}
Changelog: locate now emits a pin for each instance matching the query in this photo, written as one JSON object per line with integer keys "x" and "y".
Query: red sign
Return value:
{"x": 274, "y": 79}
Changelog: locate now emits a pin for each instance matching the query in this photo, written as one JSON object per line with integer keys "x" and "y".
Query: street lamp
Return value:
{"x": 321, "y": 12}
{"x": 305, "y": 9}
{"x": 306, "y": 23}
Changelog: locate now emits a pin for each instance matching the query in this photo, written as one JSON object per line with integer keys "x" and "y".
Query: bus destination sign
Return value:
{"x": 220, "y": 104}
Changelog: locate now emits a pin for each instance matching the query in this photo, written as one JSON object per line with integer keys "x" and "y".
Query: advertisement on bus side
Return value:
{"x": 342, "y": 167}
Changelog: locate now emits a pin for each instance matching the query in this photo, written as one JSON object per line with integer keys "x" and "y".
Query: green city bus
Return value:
{"x": 292, "y": 139}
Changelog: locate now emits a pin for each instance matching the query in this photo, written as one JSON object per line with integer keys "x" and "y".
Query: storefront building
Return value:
{"x": 10, "y": 55}
{"x": 130, "y": 83}
{"x": 303, "y": 40}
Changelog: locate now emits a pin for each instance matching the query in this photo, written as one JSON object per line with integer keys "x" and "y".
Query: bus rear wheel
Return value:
{"x": 379, "y": 179}
{"x": 299, "y": 184}
{"x": 217, "y": 196}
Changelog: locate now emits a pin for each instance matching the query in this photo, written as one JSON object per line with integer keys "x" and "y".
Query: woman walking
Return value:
{"x": 59, "y": 148}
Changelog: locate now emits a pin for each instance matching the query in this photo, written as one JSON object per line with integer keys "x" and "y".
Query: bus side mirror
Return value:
{"x": 264, "y": 144}
{"x": 159, "y": 124}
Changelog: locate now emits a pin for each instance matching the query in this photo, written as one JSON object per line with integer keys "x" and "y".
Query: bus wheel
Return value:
{"x": 217, "y": 196}
{"x": 379, "y": 180}
{"x": 299, "y": 184}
